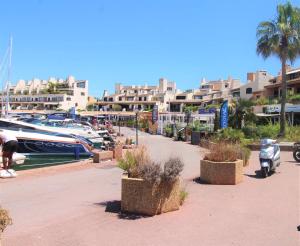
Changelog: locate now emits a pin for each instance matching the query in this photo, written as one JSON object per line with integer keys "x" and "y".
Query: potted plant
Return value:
{"x": 147, "y": 188}
{"x": 197, "y": 130}
{"x": 168, "y": 131}
{"x": 244, "y": 154}
{"x": 222, "y": 165}
{"x": 5, "y": 220}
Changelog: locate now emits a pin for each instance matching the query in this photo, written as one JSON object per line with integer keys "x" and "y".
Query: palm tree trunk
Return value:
{"x": 283, "y": 98}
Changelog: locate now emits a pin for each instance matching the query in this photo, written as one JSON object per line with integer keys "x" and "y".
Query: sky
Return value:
{"x": 135, "y": 41}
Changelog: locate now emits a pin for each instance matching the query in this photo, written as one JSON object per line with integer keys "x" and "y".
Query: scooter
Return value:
{"x": 296, "y": 151}
{"x": 269, "y": 156}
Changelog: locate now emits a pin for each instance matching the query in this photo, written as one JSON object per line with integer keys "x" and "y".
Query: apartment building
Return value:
{"x": 273, "y": 88}
{"x": 48, "y": 94}
{"x": 139, "y": 97}
{"x": 209, "y": 92}
{"x": 255, "y": 85}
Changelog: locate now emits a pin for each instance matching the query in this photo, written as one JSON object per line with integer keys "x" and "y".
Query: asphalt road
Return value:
{"x": 79, "y": 206}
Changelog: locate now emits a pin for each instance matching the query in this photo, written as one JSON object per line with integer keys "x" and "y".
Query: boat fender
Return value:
{"x": 10, "y": 173}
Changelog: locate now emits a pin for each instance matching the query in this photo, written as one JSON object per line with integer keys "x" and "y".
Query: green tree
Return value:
{"x": 51, "y": 88}
{"x": 116, "y": 107}
{"x": 241, "y": 113}
{"x": 281, "y": 37}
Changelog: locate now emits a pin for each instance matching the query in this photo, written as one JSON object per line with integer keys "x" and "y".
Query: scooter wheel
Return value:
{"x": 296, "y": 155}
{"x": 264, "y": 172}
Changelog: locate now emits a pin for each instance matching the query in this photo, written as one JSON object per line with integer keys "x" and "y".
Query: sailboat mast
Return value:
{"x": 8, "y": 76}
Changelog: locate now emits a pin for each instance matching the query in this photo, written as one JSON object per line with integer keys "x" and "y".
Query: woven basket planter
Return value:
{"x": 142, "y": 197}
{"x": 221, "y": 173}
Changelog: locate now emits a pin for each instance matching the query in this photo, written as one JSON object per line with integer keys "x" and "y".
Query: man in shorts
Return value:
{"x": 9, "y": 146}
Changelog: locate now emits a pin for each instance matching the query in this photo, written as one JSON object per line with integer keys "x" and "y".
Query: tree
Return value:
{"x": 241, "y": 113}
{"x": 51, "y": 88}
{"x": 281, "y": 37}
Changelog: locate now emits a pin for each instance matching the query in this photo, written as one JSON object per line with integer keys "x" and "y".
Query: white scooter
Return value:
{"x": 269, "y": 156}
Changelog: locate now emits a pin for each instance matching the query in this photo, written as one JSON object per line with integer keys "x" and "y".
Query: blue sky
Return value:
{"x": 135, "y": 41}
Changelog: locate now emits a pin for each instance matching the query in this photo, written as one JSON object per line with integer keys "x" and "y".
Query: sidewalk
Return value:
{"x": 81, "y": 207}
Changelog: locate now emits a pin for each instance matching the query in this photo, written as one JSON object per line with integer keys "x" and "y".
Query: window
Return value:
{"x": 81, "y": 85}
{"x": 249, "y": 90}
{"x": 197, "y": 97}
{"x": 68, "y": 98}
{"x": 82, "y": 94}
{"x": 180, "y": 98}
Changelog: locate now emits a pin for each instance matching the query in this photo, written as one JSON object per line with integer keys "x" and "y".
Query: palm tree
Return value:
{"x": 240, "y": 113}
{"x": 281, "y": 37}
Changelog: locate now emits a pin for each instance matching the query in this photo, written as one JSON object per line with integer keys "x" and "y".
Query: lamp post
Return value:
{"x": 119, "y": 125}
{"x": 136, "y": 127}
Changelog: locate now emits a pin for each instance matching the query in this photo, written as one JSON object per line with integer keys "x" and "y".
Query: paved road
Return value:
{"x": 69, "y": 208}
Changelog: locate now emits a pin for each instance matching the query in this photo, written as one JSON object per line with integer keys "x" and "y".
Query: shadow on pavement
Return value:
{"x": 198, "y": 180}
{"x": 257, "y": 175}
{"x": 115, "y": 207}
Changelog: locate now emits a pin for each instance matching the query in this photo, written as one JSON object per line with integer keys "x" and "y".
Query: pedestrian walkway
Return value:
{"x": 81, "y": 206}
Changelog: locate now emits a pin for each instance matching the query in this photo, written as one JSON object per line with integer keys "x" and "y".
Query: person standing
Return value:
{"x": 9, "y": 146}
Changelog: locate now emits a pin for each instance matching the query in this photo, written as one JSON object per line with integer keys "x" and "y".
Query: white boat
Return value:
{"x": 65, "y": 127}
{"x": 41, "y": 142}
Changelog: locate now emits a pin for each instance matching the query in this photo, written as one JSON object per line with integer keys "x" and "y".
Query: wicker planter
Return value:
{"x": 102, "y": 156}
{"x": 142, "y": 197}
{"x": 118, "y": 152}
{"x": 221, "y": 173}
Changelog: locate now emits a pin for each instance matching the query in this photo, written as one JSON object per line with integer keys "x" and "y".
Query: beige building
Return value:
{"x": 138, "y": 97}
{"x": 254, "y": 88}
{"x": 272, "y": 89}
{"x": 49, "y": 94}
{"x": 209, "y": 92}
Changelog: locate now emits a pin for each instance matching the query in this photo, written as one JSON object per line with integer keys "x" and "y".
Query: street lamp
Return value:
{"x": 136, "y": 127}
{"x": 119, "y": 124}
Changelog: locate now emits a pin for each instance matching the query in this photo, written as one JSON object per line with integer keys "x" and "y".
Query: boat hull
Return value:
{"x": 43, "y": 147}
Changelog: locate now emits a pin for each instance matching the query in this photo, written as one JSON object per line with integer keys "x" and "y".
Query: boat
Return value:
{"x": 66, "y": 127}
{"x": 45, "y": 143}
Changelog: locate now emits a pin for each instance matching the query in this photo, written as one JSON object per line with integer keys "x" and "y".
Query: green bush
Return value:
{"x": 268, "y": 131}
{"x": 294, "y": 98}
{"x": 250, "y": 131}
{"x": 130, "y": 123}
{"x": 262, "y": 101}
{"x": 168, "y": 130}
{"x": 231, "y": 135}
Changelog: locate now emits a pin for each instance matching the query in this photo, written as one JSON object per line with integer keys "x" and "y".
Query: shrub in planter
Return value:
{"x": 169, "y": 131}
{"x": 147, "y": 188}
{"x": 5, "y": 220}
{"x": 244, "y": 154}
{"x": 222, "y": 165}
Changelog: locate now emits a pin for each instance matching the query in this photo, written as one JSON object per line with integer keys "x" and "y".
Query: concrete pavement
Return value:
{"x": 80, "y": 206}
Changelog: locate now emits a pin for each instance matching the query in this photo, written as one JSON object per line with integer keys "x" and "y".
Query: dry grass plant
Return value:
{"x": 223, "y": 152}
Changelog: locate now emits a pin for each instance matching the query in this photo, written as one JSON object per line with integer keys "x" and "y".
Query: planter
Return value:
{"x": 245, "y": 163}
{"x": 142, "y": 197}
{"x": 118, "y": 152}
{"x": 195, "y": 139}
{"x": 221, "y": 173}
{"x": 102, "y": 156}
